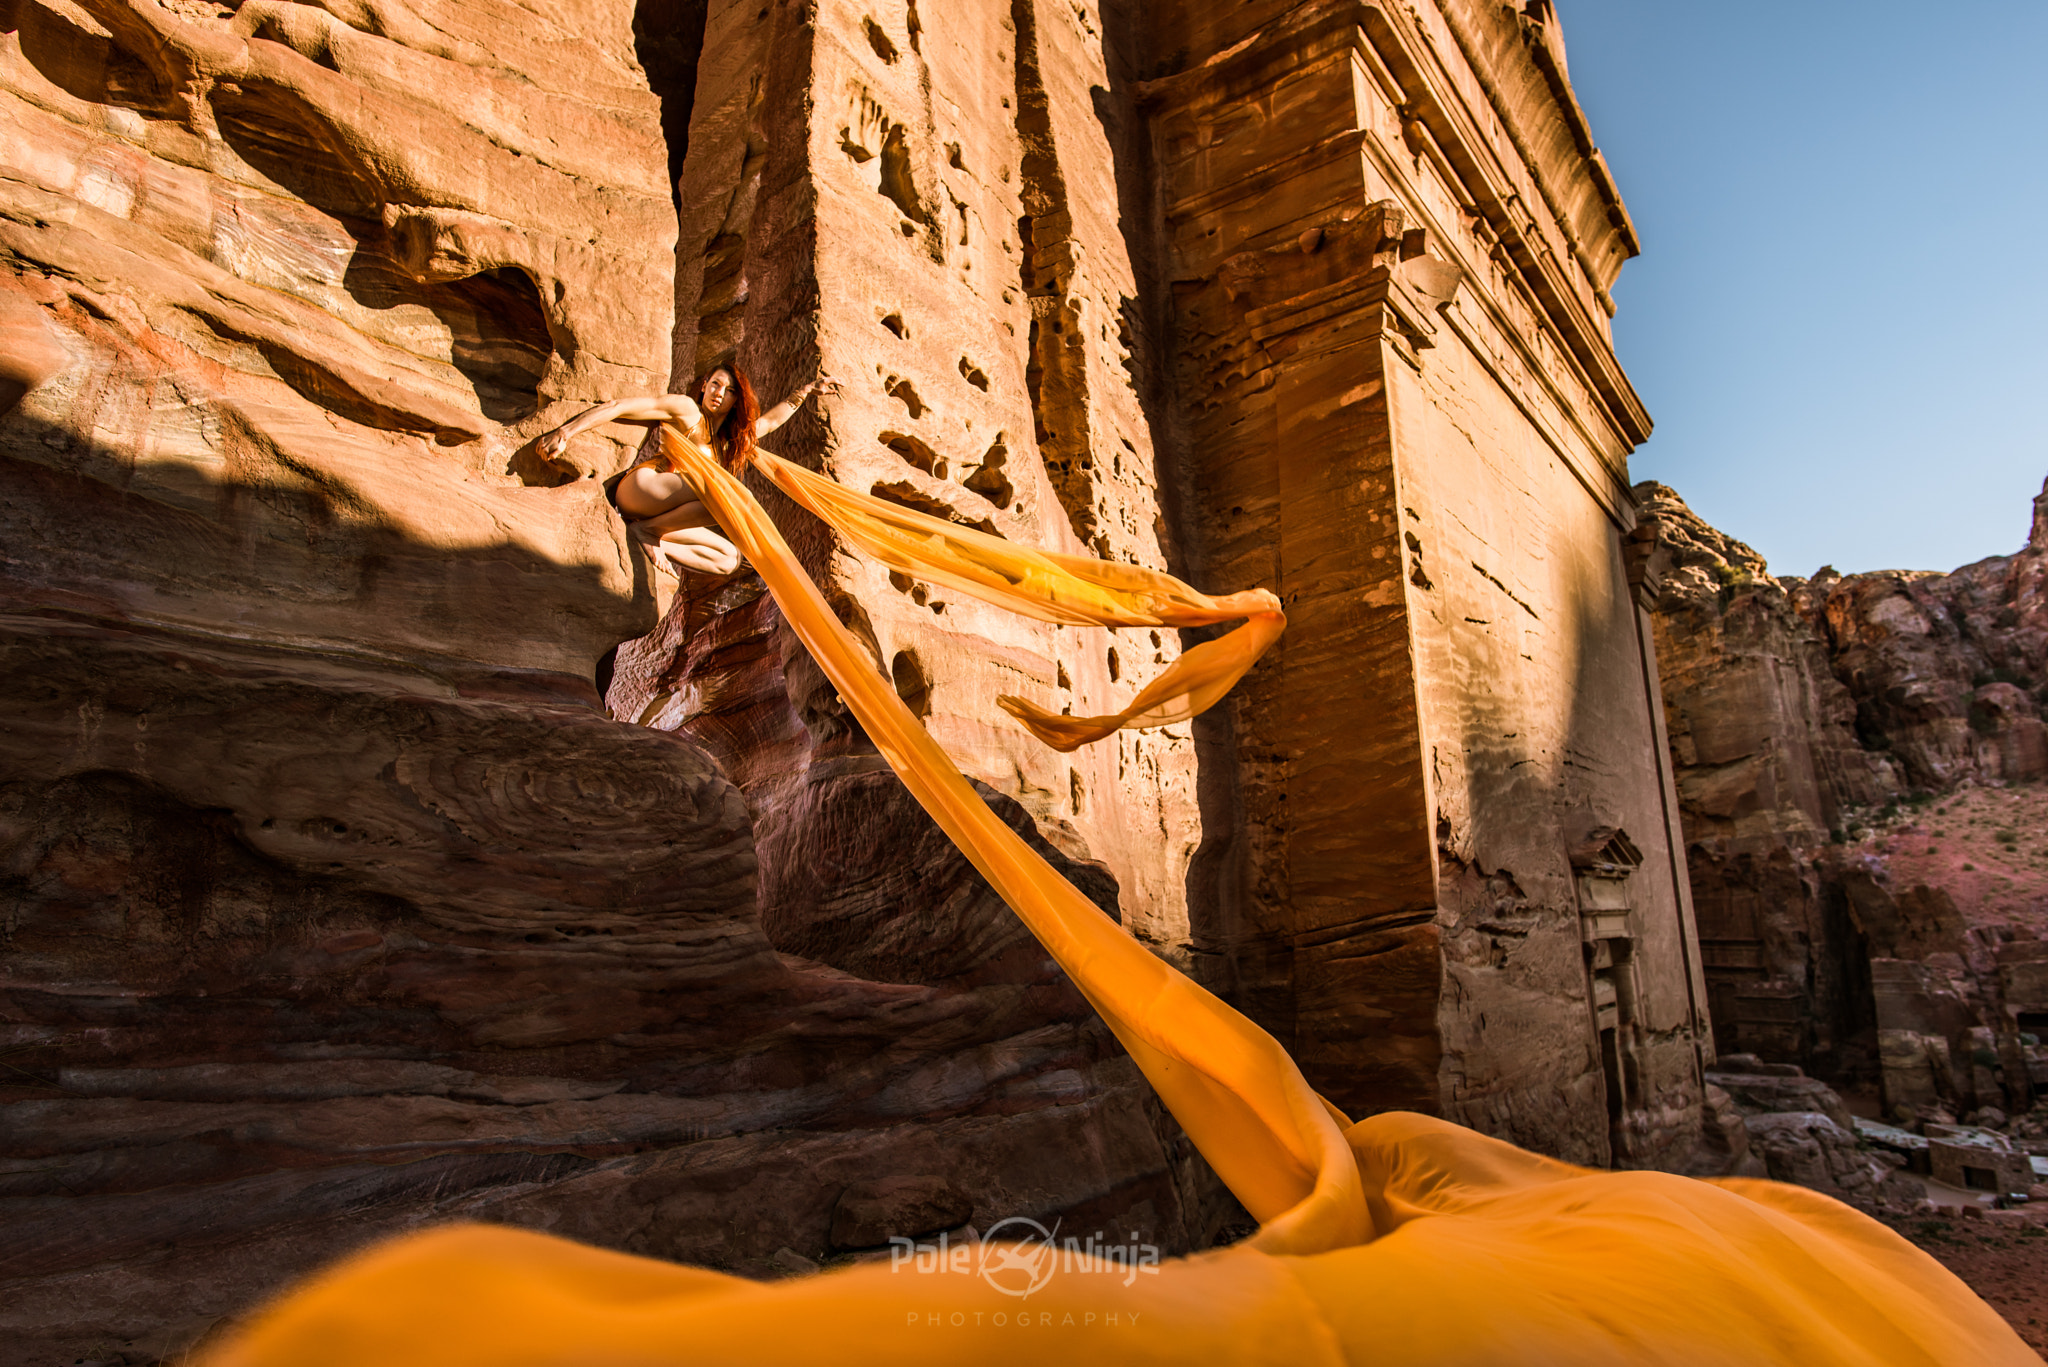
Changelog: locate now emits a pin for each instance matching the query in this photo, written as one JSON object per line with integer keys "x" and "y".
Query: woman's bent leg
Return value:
{"x": 647, "y": 492}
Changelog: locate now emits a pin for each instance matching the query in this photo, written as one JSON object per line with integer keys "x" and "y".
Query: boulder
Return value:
{"x": 1753, "y": 1066}
{"x": 1724, "y": 1140}
{"x": 869, "y": 1214}
{"x": 1764, "y": 1094}
{"x": 1809, "y": 1149}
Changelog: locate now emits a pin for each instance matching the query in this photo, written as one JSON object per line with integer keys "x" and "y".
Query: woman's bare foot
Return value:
{"x": 699, "y": 549}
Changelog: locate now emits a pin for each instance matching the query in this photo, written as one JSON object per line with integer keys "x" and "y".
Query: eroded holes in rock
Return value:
{"x": 911, "y": 684}
{"x": 920, "y": 593}
{"x": 1063, "y": 678}
{"x": 913, "y": 26}
{"x": 1416, "y": 575}
{"x": 879, "y": 41}
{"x": 1076, "y": 792}
{"x": 960, "y": 212}
{"x": 293, "y": 145}
{"x": 1116, "y": 667}
{"x": 974, "y": 374}
{"x": 493, "y": 327}
{"x": 915, "y": 453}
{"x": 905, "y": 393}
{"x": 907, "y": 496}
{"x": 894, "y": 322}
{"x": 989, "y": 481}
{"x": 897, "y": 184}
{"x": 953, "y": 158}
{"x": 79, "y": 56}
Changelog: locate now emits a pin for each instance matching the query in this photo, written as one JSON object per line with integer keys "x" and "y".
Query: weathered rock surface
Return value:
{"x": 869, "y": 1214}
{"x": 299, "y": 953}
{"x": 1757, "y": 1093}
{"x": 1112, "y": 278}
{"x": 333, "y": 902}
{"x": 1724, "y": 1141}
{"x": 337, "y": 903}
{"x": 1812, "y": 1150}
{"x": 1857, "y": 761}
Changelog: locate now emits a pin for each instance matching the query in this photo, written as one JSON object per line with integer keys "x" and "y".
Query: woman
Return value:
{"x": 1402, "y": 1240}
{"x": 659, "y": 506}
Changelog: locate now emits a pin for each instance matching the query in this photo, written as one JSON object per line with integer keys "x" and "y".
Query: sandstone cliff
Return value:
{"x": 333, "y": 902}
{"x": 1856, "y": 757}
{"x": 336, "y": 901}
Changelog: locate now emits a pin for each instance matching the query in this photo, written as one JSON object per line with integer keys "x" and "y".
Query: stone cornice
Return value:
{"x": 1515, "y": 195}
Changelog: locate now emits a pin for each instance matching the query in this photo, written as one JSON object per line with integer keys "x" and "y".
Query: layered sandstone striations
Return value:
{"x": 337, "y": 901}
{"x": 334, "y": 903}
{"x": 1856, "y": 757}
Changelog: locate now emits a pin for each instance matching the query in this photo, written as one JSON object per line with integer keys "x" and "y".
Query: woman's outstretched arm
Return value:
{"x": 786, "y": 410}
{"x": 680, "y": 408}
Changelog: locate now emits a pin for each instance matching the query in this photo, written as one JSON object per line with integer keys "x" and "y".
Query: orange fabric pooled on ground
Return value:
{"x": 1399, "y": 1240}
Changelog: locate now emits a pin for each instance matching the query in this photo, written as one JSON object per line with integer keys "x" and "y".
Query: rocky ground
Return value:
{"x": 1792, "y": 1128}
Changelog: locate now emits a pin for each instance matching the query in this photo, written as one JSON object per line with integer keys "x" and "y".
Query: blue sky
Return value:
{"x": 1840, "y": 318}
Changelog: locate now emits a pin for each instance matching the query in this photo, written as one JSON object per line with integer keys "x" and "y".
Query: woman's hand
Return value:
{"x": 553, "y": 445}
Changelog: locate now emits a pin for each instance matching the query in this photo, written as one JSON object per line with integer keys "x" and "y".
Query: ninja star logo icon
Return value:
{"x": 1018, "y": 1256}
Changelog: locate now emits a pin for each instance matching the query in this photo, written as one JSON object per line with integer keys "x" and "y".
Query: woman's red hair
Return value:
{"x": 734, "y": 435}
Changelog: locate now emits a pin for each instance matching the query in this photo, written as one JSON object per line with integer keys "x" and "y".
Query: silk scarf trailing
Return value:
{"x": 1398, "y": 1240}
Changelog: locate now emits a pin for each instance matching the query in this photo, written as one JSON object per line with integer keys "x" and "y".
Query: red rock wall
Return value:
{"x": 1389, "y": 251}
{"x": 1845, "y": 749}
{"x": 337, "y": 904}
{"x": 333, "y": 902}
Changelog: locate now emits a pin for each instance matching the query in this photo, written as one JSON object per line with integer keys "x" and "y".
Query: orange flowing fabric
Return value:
{"x": 1398, "y": 1240}
{"x": 1071, "y": 589}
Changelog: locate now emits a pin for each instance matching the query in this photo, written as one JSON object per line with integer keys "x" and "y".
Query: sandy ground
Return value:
{"x": 2005, "y": 1263}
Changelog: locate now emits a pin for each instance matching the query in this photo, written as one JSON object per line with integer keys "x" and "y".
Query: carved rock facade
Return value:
{"x": 1304, "y": 296}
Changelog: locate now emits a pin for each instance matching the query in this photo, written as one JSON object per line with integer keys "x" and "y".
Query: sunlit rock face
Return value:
{"x": 334, "y": 902}
{"x": 1764, "y": 742}
{"x": 297, "y": 292}
{"x": 341, "y": 900}
{"x": 1176, "y": 284}
{"x": 1858, "y": 763}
